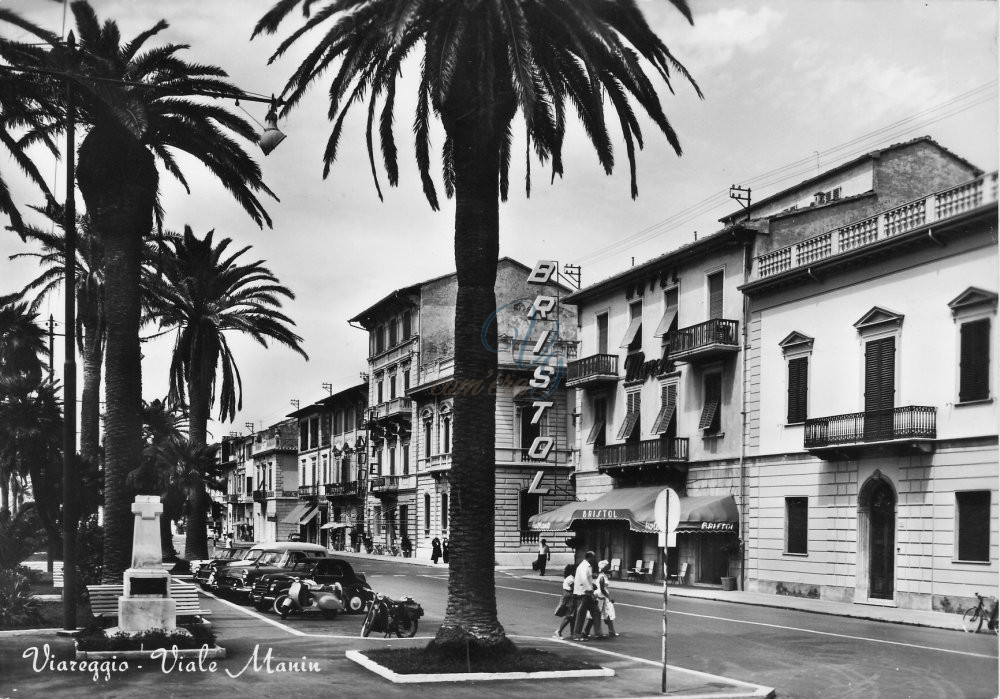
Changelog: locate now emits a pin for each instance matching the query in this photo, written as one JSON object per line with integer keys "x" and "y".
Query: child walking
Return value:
{"x": 604, "y": 601}
{"x": 567, "y": 605}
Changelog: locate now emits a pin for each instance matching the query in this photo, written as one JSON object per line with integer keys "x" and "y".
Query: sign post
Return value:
{"x": 667, "y": 512}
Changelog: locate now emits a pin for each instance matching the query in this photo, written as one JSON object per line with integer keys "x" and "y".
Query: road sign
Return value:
{"x": 667, "y": 512}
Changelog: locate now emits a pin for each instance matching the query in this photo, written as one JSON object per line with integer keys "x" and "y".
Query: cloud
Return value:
{"x": 718, "y": 36}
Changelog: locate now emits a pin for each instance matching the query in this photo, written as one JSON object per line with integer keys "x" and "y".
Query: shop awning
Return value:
{"x": 297, "y": 512}
{"x": 336, "y": 525}
{"x": 713, "y": 513}
{"x": 309, "y": 516}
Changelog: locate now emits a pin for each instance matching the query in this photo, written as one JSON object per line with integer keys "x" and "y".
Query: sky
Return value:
{"x": 790, "y": 89}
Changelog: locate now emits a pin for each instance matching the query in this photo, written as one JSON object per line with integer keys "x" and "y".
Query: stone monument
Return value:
{"x": 146, "y": 602}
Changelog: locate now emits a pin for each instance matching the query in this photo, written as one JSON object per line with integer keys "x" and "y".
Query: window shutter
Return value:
{"x": 667, "y": 409}
{"x": 880, "y": 374}
{"x": 798, "y": 389}
{"x": 715, "y": 295}
{"x": 631, "y": 415}
{"x": 974, "y": 367}
{"x": 708, "y": 414}
{"x": 973, "y": 525}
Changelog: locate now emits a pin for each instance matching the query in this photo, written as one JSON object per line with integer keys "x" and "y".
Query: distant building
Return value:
{"x": 331, "y": 451}
{"x": 410, "y": 418}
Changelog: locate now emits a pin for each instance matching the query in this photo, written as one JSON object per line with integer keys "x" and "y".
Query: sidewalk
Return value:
{"x": 873, "y": 611}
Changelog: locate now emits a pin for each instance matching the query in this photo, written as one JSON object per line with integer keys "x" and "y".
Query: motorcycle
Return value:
{"x": 305, "y": 594}
{"x": 391, "y": 616}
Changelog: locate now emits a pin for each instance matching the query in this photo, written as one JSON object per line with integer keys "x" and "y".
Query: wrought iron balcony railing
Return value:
{"x": 716, "y": 336}
{"x": 912, "y": 422}
{"x": 597, "y": 368}
{"x": 650, "y": 451}
{"x": 308, "y": 492}
{"x": 348, "y": 488}
{"x": 385, "y": 484}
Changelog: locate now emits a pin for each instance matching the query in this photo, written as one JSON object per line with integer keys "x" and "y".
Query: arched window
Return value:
{"x": 427, "y": 514}
{"x": 444, "y": 512}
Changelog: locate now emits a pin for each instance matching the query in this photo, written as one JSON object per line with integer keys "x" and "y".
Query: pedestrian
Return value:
{"x": 435, "y": 549}
{"x": 567, "y": 605}
{"x": 444, "y": 550}
{"x": 406, "y": 546}
{"x": 583, "y": 592}
{"x": 604, "y": 601}
{"x": 544, "y": 556}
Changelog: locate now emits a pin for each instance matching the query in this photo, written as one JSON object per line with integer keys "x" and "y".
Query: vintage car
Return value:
{"x": 237, "y": 579}
{"x": 325, "y": 571}
{"x": 203, "y": 570}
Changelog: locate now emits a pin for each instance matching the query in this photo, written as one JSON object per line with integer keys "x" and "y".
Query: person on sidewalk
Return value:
{"x": 435, "y": 549}
{"x": 604, "y": 601}
{"x": 444, "y": 550}
{"x": 567, "y": 605}
{"x": 544, "y": 556}
{"x": 583, "y": 592}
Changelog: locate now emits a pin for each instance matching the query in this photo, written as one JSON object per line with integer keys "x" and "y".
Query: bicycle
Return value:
{"x": 973, "y": 618}
{"x": 392, "y": 617}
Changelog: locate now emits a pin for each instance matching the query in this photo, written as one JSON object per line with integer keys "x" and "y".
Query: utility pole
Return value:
{"x": 742, "y": 195}
{"x": 52, "y": 323}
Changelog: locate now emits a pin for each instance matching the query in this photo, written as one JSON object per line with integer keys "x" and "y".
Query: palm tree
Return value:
{"x": 483, "y": 62}
{"x": 136, "y": 105}
{"x": 206, "y": 292}
{"x": 90, "y": 330}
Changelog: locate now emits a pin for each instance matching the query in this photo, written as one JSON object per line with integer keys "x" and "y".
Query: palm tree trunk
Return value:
{"x": 118, "y": 180}
{"x": 90, "y": 399}
{"x": 471, "y": 616}
{"x": 199, "y": 398}
{"x": 195, "y": 539}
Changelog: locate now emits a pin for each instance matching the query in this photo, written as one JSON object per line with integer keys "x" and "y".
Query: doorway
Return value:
{"x": 882, "y": 542}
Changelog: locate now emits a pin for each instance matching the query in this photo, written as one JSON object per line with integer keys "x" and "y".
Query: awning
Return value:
{"x": 712, "y": 513}
{"x": 309, "y": 516}
{"x": 297, "y": 511}
{"x": 336, "y": 525}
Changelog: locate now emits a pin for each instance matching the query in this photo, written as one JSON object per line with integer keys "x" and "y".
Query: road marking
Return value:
{"x": 777, "y": 626}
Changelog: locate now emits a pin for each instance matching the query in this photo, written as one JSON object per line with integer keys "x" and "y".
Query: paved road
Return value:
{"x": 801, "y": 654}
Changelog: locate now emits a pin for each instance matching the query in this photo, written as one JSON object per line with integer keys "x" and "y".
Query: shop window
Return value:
{"x": 630, "y": 425}
{"x": 974, "y": 361}
{"x": 711, "y": 412}
{"x": 973, "y": 526}
{"x": 529, "y": 505}
{"x": 797, "y": 525}
{"x": 597, "y": 432}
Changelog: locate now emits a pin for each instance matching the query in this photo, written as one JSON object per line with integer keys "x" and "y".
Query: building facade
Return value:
{"x": 871, "y": 386}
{"x": 410, "y": 418}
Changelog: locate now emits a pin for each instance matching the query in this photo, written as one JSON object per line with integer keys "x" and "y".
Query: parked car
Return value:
{"x": 237, "y": 579}
{"x": 204, "y": 570}
{"x": 325, "y": 571}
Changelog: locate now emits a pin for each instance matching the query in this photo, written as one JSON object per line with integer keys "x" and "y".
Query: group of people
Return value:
{"x": 586, "y": 602}
{"x": 439, "y": 550}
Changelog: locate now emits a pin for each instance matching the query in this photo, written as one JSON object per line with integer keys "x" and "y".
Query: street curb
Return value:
{"x": 28, "y": 632}
{"x": 365, "y": 662}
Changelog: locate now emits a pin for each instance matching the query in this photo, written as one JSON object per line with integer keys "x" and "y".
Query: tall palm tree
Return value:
{"x": 484, "y": 61}
{"x": 90, "y": 330}
{"x": 205, "y": 291}
{"x": 139, "y": 107}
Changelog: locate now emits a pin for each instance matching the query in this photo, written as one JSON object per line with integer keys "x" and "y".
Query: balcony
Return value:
{"x": 908, "y": 429}
{"x": 308, "y": 492}
{"x": 401, "y": 407}
{"x": 508, "y": 456}
{"x": 615, "y": 459}
{"x": 390, "y": 485}
{"x": 232, "y": 498}
{"x": 342, "y": 489}
{"x": 705, "y": 341}
{"x": 877, "y": 231}
{"x": 274, "y": 444}
{"x": 594, "y": 370}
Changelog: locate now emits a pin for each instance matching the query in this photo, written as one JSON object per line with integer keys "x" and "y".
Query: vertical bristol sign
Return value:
{"x": 549, "y": 364}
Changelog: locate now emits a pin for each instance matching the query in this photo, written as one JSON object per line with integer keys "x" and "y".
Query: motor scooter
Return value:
{"x": 306, "y": 594}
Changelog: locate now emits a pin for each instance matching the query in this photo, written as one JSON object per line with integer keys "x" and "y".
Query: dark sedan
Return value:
{"x": 326, "y": 571}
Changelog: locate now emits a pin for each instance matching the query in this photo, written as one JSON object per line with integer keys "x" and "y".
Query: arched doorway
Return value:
{"x": 877, "y": 540}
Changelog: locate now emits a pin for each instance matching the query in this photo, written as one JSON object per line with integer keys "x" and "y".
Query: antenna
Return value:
{"x": 329, "y": 388}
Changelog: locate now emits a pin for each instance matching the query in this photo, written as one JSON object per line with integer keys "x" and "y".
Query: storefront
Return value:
{"x": 621, "y": 525}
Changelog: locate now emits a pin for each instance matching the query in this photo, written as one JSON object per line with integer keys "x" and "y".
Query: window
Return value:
{"x": 797, "y": 525}
{"x": 393, "y": 332}
{"x": 633, "y": 335}
{"x": 974, "y": 361}
{"x": 345, "y": 466}
{"x": 602, "y": 333}
{"x": 973, "y": 526}
{"x": 338, "y": 422}
{"x": 406, "y": 381}
{"x": 314, "y": 433}
{"x": 303, "y": 435}
{"x": 378, "y": 391}
{"x": 406, "y": 326}
{"x": 446, "y": 435}
{"x": 632, "y": 407}
{"x": 392, "y": 386}
{"x": 711, "y": 414}
{"x": 326, "y": 468}
{"x": 528, "y": 431}
{"x": 325, "y": 427}
{"x": 715, "y": 297}
{"x": 529, "y": 504}
{"x": 444, "y": 511}
{"x": 406, "y": 458}
{"x": 798, "y": 389}
{"x": 668, "y": 406}
{"x": 392, "y": 460}
{"x": 380, "y": 339}
{"x": 404, "y": 521}
{"x": 597, "y": 432}
{"x": 313, "y": 469}
{"x": 669, "y": 320}
{"x": 428, "y": 424}
{"x": 427, "y": 514}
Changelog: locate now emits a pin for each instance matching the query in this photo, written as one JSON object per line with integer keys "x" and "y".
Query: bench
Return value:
{"x": 104, "y": 600}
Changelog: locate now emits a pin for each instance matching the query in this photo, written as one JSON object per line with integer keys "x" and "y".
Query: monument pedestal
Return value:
{"x": 145, "y": 603}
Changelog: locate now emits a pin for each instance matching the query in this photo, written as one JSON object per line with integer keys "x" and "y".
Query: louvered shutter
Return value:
{"x": 974, "y": 367}
{"x": 667, "y": 409}
{"x": 880, "y": 374}
{"x": 798, "y": 389}
{"x": 973, "y": 525}
{"x": 715, "y": 295}
{"x": 631, "y": 415}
